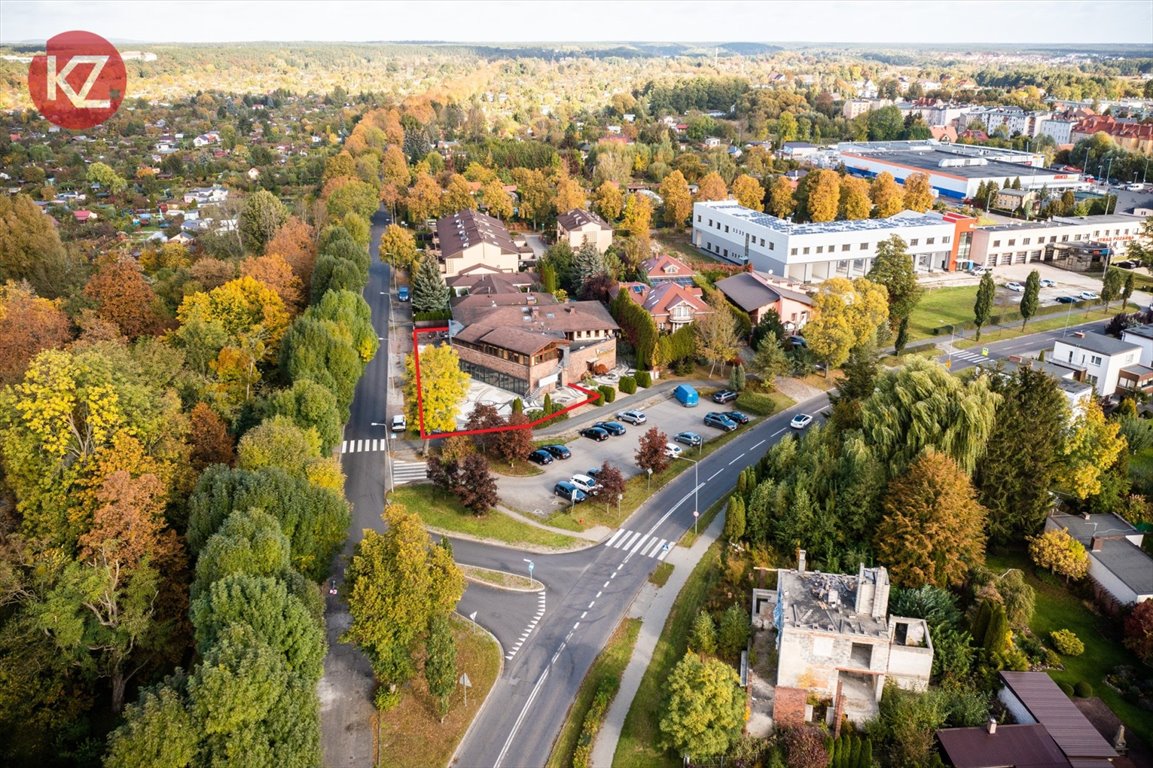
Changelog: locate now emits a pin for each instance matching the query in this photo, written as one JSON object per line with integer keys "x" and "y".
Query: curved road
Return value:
{"x": 549, "y": 639}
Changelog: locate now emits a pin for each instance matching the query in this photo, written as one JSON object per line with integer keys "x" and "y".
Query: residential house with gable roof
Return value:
{"x": 664, "y": 268}
{"x": 578, "y": 226}
{"x": 671, "y": 304}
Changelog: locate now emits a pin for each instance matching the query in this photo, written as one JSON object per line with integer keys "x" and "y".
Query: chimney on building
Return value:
{"x": 881, "y": 594}
{"x": 991, "y": 726}
{"x": 1095, "y": 544}
{"x": 800, "y": 561}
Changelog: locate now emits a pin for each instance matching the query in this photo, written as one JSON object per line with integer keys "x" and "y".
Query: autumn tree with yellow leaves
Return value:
{"x": 846, "y": 314}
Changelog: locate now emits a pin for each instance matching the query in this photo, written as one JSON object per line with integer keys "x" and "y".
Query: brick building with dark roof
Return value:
{"x": 466, "y": 239}
{"x": 529, "y": 343}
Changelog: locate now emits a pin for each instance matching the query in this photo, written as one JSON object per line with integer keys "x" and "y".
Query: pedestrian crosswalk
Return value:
{"x": 409, "y": 471}
{"x": 644, "y": 544}
{"x": 364, "y": 446}
{"x": 972, "y": 357}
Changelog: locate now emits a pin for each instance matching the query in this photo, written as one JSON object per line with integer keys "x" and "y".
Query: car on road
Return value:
{"x": 801, "y": 420}
{"x": 595, "y": 433}
{"x": 402, "y": 293}
{"x": 569, "y": 492}
{"x": 540, "y": 456}
{"x": 738, "y": 417}
{"x": 672, "y": 450}
{"x": 1126, "y": 264}
{"x": 632, "y": 417}
{"x": 614, "y": 428}
{"x": 399, "y": 423}
{"x": 725, "y": 396}
{"x": 332, "y": 590}
{"x": 558, "y": 451}
{"x": 587, "y": 484}
{"x": 1066, "y": 299}
{"x": 689, "y": 438}
{"x": 1015, "y": 287}
{"x": 720, "y": 421}
{"x": 1047, "y": 283}
{"x": 1089, "y": 296}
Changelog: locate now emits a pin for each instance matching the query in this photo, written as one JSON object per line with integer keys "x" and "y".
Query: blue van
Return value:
{"x": 402, "y": 293}
{"x": 686, "y": 396}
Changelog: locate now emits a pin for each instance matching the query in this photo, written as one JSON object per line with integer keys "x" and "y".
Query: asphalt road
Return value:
{"x": 587, "y": 594}
{"x": 1028, "y": 345}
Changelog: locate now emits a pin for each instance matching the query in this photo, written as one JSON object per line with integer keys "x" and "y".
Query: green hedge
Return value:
{"x": 628, "y": 385}
{"x": 1083, "y": 689}
{"x": 608, "y": 394}
{"x": 582, "y": 755}
{"x": 756, "y": 402}
{"x": 425, "y": 317}
{"x": 644, "y": 379}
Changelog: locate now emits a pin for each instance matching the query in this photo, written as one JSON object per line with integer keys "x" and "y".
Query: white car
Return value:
{"x": 586, "y": 484}
{"x": 632, "y": 417}
{"x": 672, "y": 450}
{"x": 1015, "y": 287}
{"x": 399, "y": 423}
{"x": 1047, "y": 283}
{"x": 801, "y": 420}
{"x": 1089, "y": 296}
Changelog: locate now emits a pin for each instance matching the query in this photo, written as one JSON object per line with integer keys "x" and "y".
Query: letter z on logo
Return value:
{"x": 79, "y": 81}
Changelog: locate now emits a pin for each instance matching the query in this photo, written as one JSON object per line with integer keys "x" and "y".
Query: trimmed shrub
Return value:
{"x": 1083, "y": 689}
{"x": 1067, "y": 643}
{"x": 644, "y": 379}
{"x": 628, "y": 385}
{"x": 608, "y": 394}
{"x": 424, "y": 317}
{"x": 756, "y": 402}
{"x": 1066, "y": 689}
{"x": 582, "y": 755}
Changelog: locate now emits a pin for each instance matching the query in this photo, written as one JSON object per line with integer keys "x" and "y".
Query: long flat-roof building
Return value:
{"x": 1051, "y": 240}
{"x": 818, "y": 251}
{"x": 955, "y": 171}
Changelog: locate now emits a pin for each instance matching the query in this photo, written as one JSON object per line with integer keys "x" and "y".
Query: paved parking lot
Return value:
{"x": 534, "y": 494}
{"x": 1067, "y": 283}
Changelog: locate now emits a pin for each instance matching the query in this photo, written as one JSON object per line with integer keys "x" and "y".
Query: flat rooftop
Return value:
{"x": 903, "y": 219}
{"x": 825, "y": 602}
{"x": 1084, "y": 527}
{"x": 968, "y": 167}
{"x": 1127, "y": 562}
{"x": 1099, "y": 343}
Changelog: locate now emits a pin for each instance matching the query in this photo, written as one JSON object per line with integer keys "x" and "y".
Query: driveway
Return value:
{"x": 534, "y": 494}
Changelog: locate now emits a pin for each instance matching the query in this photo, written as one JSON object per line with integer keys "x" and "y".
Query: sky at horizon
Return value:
{"x": 1088, "y": 22}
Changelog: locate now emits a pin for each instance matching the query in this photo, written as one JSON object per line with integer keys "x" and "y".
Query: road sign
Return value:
{"x": 696, "y": 513}
{"x": 984, "y": 351}
{"x": 466, "y": 684}
{"x": 472, "y": 616}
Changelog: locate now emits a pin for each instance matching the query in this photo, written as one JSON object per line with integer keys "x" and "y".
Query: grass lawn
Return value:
{"x": 501, "y": 579}
{"x": 640, "y": 736}
{"x": 682, "y": 247}
{"x": 410, "y": 735}
{"x": 689, "y": 537}
{"x": 660, "y": 575}
{"x": 1058, "y": 608}
{"x": 439, "y": 509}
{"x": 609, "y": 665}
{"x": 519, "y": 468}
{"x": 941, "y": 306}
{"x": 1036, "y": 325}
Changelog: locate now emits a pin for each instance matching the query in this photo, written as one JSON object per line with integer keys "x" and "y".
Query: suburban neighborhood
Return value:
{"x": 577, "y": 404}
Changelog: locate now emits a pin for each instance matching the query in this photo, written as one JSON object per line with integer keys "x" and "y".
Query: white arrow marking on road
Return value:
{"x": 472, "y": 616}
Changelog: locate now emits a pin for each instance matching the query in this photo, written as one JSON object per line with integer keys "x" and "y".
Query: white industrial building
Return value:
{"x": 955, "y": 171}
{"x": 1030, "y": 241}
{"x": 813, "y": 252}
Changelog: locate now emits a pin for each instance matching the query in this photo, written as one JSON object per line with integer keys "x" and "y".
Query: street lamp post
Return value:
{"x": 531, "y": 565}
{"x": 619, "y": 497}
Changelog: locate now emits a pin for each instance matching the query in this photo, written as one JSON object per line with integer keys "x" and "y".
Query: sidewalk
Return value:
{"x": 654, "y": 616}
{"x": 597, "y": 533}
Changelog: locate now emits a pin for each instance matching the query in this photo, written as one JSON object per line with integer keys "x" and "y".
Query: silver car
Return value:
{"x": 632, "y": 417}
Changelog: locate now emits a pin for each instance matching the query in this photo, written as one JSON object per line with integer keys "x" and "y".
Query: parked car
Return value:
{"x": 569, "y": 492}
{"x": 1047, "y": 283}
{"x": 738, "y": 417}
{"x": 632, "y": 417}
{"x": 1015, "y": 287}
{"x": 595, "y": 433}
{"x": 558, "y": 451}
{"x": 672, "y": 450}
{"x": 688, "y": 438}
{"x": 1127, "y": 264}
{"x": 399, "y": 423}
{"x": 614, "y": 428}
{"x": 587, "y": 484}
{"x": 332, "y": 590}
{"x": 796, "y": 341}
{"x": 402, "y": 293}
{"x": 720, "y": 421}
{"x": 725, "y": 396}
{"x": 801, "y": 420}
{"x": 594, "y": 472}
{"x": 540, "y": 456}
{"x": 1066, "y": 299}
{"x": 1089, "y": 296}
{"x": 686, "y": 395}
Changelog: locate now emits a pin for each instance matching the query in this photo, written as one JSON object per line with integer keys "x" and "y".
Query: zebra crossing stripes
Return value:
{"x": 644, "y": 544}
{"x": 364, "y": 446}
{"x": 972, "y": 357}
{"x": 409, "y": 471}
{"x": 540, "y": 596}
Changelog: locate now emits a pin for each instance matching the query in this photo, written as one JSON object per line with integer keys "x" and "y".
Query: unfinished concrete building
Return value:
{"x": 836, "y": 641}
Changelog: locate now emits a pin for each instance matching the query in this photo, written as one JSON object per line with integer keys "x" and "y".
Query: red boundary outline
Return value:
{"x": 420, "y": 398}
